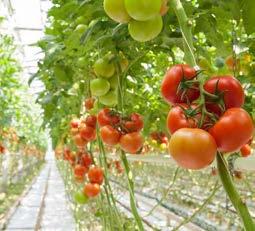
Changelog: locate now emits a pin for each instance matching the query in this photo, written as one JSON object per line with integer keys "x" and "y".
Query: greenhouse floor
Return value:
{"x": 45, "y": 206}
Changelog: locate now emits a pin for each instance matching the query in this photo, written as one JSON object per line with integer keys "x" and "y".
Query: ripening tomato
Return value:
{"x": 164, "y": 7}
{"x": 177, "y": 119}
{"x": 110, "y": 135}
{"x": 233, "y": 130}
{"x": 2, "y": 149}
{"x": 116, "y": 10}
{"x": 131, "y": 142}
{"x": 232, "y": 63}
{"x": 192, "y": 148}
{"x": 88, "y": 133}
{"x": 79, "y": 141}
{"x": 143, "y": 10}
{"x": 175, "y": 88}
{"x": 91, "y": 121}
{"x": 74, "y": 131}
{"x": 96, "y": 175}
{"x": 91, "y": 190}
{"x": 135, "y": 124}
{"x": 86, "y": 160}
{"x": 143, "y": 31}
{"x": 75, "y": 123}
{"x": 89, "y": 103}
{"x": 227, "y": 88}
{"x": 80, "y": 170}
{"x": 245, "y": 150}
{"x": 107, "y": 117}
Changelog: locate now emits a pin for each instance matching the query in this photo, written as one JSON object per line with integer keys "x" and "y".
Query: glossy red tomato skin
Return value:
{"x": 89, "y": 103}
{"x": 245, "y": 150}
{"x": 109, "y": 135}
{"x": 88, "y": 133}
{"x": 192, "y": 148}
{"x": 106, "y": 117}
{"x": 91, "y": 121}
{"x": 233, "y": 130}
{"x": 86, "y": 160}
{"x": 96, "y": 175}
{"x": 131, "y": 142}
{"x": 230, "y": 87}
{"x": 135, "y": 124}
{"x": 172, "y": 80}
{"x": 80, "y": 170}
{"x": 74, "y": 123}
{"x": 176, "y": 119}
{"x": 91, "y": 190}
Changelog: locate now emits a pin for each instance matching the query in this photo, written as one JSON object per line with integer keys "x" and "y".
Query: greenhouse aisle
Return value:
{"x": 45, "y": 207}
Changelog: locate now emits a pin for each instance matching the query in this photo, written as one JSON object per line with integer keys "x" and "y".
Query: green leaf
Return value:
{"x": 248, "y": 14}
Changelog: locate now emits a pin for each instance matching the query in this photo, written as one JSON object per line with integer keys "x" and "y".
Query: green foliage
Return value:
{"x": 80, "y": 32}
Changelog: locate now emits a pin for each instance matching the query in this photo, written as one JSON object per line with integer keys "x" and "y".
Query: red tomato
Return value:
{"x": 2, "y": 149}
{"x": 88, "y": 133}
{"x": 86, "y": 160}
{"x": 96, "y": 175}
{"x": 80, "y": 170}
{"x": 228, "y": 89}
{"x": 75, "y": 123}
{"x": 135, "y": 124}
{"x": 192, "y": 148}
{"x": 91, "y": 190}
{"x": 233, "y": 130}
{"x": 107, "y": 117}
{"x": 110, "y": 135}
{"x": 175, "y": 88}
{"x": 89, "y": 103}
{"x": 177, "y": 119}
{"x": 79, "y": 141}
{"x": 131, "y": 142}
{"x": 91, "y": 121}
{"x": 245, "y": 150}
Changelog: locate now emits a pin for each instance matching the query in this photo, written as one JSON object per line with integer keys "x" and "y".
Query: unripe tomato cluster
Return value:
{"x": 144, "y": 17}
{"x": 125, "y": 131}
{"x": 105, "y": 85}
{"x": 205, "y": 119}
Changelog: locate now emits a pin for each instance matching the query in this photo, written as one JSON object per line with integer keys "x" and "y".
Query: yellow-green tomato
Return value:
{"x": 143, "y": 10}
{"x": 104, "y": 68}
{"x": 114, "y": 82}
{"x": 99, "y": 87}
{"x": 145, "y": 31}
{"x": 80, "y": 198}
{"x": 116, "y": 10}
{"x": 110, "y": 99}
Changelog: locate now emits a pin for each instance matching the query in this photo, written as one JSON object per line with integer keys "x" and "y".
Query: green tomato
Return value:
{"x": 80, "y": 20}
{"x": 104, "y": 68}
{"x": 110, "y": 99}
{"x": 81, "y": 28}
{"x": 143, "y": 10}
{"x": 80, "y": 198}
{"x": 116, "y": 10}
{"x": 99, "y": 87}
{"x": 145, "y": 31}
{"x": 114, "y": 82}
{"x": 219, "y": 62}
{"x": 81, "y": 62}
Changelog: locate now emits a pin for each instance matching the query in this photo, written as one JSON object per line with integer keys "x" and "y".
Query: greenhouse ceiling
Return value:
{"x": 25, "y": 20}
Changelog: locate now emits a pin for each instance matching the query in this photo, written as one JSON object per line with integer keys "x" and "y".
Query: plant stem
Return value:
{"x": 185, "y": 27}
{"x": 131, "y": 191}
{"x": 233, "y": 195}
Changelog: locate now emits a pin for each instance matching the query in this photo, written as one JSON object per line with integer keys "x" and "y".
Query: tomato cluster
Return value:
{"x": 144, "y": 18}
{"x": 159, "y": 137}
{"x": 204, "y": 120}
{"x": 105, "y": 85}
{"x": 125, "y": 131}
